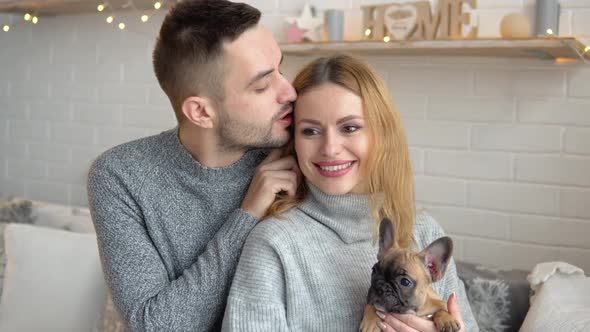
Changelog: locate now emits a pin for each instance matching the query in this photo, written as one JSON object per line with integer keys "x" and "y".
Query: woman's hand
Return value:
{"x": 413, "y": 323}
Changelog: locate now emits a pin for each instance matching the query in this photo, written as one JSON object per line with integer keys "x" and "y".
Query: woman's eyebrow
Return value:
{"x": 341, "y": 120}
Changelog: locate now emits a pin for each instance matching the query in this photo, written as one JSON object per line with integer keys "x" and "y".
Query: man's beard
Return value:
{"x": 237, "y": 135}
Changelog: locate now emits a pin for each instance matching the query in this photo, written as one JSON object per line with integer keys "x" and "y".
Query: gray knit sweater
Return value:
{"x": 311, "y": 270}
{"x": 169, "y": 231}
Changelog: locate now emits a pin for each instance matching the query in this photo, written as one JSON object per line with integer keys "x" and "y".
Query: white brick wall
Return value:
{"x": 576, "y": 141}
{"x": 517, "y": 137}
{"x": 500, "y": 147}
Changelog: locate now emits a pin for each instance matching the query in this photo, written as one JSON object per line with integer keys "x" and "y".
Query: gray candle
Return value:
{"x": 547, "y": 17}
{"x": 334, "y": 22}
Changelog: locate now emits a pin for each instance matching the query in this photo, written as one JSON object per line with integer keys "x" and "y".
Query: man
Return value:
{"x": 172, "y": 211}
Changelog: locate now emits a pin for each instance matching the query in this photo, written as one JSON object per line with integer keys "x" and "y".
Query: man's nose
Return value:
{"x": 287, "y": 93}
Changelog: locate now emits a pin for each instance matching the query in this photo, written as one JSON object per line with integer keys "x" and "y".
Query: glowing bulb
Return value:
{"x": 587, "y": 49}
{"x": 100, "y": 8}
{"x": 386, "y": 39}
{"x": 549, "y": 31}
{"x": 121, "y": 26}
{"x": 145, "y": 18}
{"x": 368, "y": 32}
{"x": 564, "y": 60}
{"x": 6, "y": 28}
{"x": 35, "y": 20}
{"x": 158, "y": 5}
{"x": 110, "y": 19}
{"x": 27, "y": 17}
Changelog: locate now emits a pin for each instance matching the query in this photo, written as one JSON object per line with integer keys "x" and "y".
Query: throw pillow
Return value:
{"x": 64, "y": 217}
{"x": 2, "y": 256}
{"x": 562, "y": 303}
{"x": 499, "y": 298}
{"x": 16, "y": 210}
{"x": 53, "y": 280}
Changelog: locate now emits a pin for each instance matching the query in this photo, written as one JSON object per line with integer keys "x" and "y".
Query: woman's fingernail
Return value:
{"x": 454, "y": 295}
{"x": 380, "y": 314}
{"x": 382, "y": 326}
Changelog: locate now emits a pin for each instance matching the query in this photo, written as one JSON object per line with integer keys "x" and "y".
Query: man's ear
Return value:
{"x": 199, "y": 110}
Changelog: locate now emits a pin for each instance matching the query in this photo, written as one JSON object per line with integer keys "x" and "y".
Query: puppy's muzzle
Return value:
{"x": 383, "y": 295}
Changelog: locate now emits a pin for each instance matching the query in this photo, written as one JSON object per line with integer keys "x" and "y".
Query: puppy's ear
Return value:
{"x": 436, "y": 257}
{"x": 386, "y": 237}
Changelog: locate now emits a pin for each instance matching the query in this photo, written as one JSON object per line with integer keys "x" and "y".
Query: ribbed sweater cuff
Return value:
{"x": 240, "y": 223}
{"x": 256, "y": 317}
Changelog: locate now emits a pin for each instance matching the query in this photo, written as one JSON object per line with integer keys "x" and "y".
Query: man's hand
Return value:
{"x": 273, "y": 175}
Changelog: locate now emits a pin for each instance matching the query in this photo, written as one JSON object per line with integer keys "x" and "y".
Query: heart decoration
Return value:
{"x": 400, "y": 20}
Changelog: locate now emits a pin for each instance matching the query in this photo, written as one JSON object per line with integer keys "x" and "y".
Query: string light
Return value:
{"x": 386, "y": 39}
{"x": 368, "y": 32}
{"x": 549, "y": 31}
{"x": 101, "y": 7}
{"x": 144, "y": 18}
{"x": 587, "y": 49}
{"x": 564, "y": 60}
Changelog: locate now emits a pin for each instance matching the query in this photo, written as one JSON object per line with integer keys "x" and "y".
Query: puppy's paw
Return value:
{"x": 370, "y": 322}
{"x": 370, "y": 325}
{"x": 445, "y": 322}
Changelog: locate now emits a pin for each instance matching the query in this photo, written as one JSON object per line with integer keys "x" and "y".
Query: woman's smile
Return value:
{"x": 334, "y": 168}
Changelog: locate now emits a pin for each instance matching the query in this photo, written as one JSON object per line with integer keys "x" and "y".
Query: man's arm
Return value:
{"x": 139, "y": 282}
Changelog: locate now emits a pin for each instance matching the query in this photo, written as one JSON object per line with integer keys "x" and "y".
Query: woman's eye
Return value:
{"x": 406, "y": 282}
{"x": 310, "y": 131}
{"x": 350, "y": 129}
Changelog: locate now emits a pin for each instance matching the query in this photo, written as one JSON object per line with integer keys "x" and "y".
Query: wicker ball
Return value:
{"x": 515, "y": 26}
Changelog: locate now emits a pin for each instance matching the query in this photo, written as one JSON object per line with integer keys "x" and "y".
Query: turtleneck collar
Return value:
{"x": 347, "y": 215}
{"x": 185, "y": 161}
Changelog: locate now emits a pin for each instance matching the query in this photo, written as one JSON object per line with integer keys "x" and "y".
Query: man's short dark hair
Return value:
{"x": 188, "y": 57}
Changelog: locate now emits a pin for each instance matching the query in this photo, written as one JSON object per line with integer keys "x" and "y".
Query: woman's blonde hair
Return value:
{"x": 388, "y": 168}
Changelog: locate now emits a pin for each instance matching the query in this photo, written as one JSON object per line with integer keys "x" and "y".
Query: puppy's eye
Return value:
{"x": 406, "y": 282}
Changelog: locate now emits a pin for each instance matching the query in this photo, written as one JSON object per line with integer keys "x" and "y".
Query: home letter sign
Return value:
{"x": 416, "y": 21}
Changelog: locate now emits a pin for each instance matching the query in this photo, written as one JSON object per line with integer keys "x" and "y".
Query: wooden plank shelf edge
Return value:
{"x": 543, "y": 48}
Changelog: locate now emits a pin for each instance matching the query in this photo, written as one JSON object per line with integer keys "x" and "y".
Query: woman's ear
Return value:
{"x": 199, "y": 111}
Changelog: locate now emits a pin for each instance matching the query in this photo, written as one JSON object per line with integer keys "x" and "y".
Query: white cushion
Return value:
{"x": 53, "y": 280}
{"x": 561, "y": 303}
{"x": 76, "y": 219}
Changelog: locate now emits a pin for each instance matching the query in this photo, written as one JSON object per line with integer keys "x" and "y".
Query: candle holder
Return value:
{"x": 334, "y": 23}
{"x": 547, "y": 20}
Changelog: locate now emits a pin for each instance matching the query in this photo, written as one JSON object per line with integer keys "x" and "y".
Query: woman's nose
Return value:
{"x": 331, "y": 145}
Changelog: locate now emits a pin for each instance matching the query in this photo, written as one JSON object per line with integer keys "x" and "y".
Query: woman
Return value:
{"x": 308, "y": 266}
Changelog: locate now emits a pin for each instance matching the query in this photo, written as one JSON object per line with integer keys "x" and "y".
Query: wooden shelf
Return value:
{"x": 542, "y": 48}
{"x": 69, "y": 7}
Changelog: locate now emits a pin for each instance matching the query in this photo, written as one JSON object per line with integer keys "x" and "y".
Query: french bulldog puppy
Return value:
{"x": 401, "y": 279}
